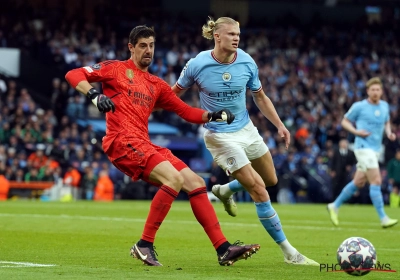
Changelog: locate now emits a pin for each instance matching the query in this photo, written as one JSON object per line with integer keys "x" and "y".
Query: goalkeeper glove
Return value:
{"x": 221, "y": 116}
{"x": 102, "y": 102}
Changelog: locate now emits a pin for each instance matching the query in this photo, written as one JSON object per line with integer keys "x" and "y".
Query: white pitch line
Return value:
{"x": 132, "y": 220}
{"x": 328, "y": 221}
{"x": 24, "y": 264}
{"x": 389, "y": 249}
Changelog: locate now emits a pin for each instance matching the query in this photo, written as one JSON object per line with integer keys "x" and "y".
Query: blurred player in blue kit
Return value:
{"x": 371, "y": 118}
{"x": 223, "y": 76}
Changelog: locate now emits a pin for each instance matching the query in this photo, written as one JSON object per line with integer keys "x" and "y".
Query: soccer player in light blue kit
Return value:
{"x": 371, "y": 117}
{"x": 223, "y": 76}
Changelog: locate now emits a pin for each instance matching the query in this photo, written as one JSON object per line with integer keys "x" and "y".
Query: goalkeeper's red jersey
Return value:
{"x": 135, "y": 93}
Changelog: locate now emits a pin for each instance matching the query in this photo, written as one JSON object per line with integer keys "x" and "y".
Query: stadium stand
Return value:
{"x": 312, "y": 73}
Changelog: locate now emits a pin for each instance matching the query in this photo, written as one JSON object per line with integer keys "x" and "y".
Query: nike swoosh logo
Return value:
{"x": 142, "y": 257}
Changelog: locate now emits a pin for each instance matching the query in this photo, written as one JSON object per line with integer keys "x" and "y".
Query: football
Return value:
{"x": 356, "y": 256}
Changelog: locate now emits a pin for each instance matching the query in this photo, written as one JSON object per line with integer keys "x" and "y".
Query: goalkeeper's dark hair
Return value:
{"x": 141, "y": 31}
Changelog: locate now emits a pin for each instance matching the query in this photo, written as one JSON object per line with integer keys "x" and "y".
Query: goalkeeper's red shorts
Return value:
{"x": 136, "y": 157}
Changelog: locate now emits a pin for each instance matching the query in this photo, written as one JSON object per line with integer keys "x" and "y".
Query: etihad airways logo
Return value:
{"x": 226, "y": 93}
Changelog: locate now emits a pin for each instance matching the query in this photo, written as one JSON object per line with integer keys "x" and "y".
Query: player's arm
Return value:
{"x": 168, "y": 100}
{"x": 388, "y": 131}
{"x": 351, "y": 117}
{"x": 179, "y": 91}
{"x": 348, "y": 125}
{"x": 266, "y": 107}
{"x": 264, "y": 103}
{"x": 80, "y": 79}
{"x": 185, "y": 80}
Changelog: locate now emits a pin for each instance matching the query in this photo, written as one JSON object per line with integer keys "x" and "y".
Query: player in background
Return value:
{"x": 131, "y": 93}
{"x": 371, "y": 118}
{"x": 222, "y": 76}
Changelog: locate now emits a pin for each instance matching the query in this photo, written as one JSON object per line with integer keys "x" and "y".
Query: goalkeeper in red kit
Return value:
{"x": 129, "y": 95}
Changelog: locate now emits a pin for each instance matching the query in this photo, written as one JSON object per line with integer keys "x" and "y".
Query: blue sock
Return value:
{"x": 346, "y": 194}
{"x": 375, "y": 194}
{"x": 235, "y": 186}
{"x": 270, "y": 220}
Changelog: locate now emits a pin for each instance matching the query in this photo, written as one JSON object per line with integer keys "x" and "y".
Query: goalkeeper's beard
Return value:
{"x": 145, "y": 63}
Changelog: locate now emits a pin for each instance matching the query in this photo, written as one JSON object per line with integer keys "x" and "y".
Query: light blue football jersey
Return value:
{"x": 222, "y": 86}
{"x": 372, "y": 118}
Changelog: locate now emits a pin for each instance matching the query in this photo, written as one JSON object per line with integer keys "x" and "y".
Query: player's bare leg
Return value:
{"x": 348, "y": 191}
{"x": 267, "y": 215}
{"x": 263, "y": 166}
{"x": 375, "y": 193}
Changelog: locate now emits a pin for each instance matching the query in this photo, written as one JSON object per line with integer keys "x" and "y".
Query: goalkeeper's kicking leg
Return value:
{"x": 205, "y": 214}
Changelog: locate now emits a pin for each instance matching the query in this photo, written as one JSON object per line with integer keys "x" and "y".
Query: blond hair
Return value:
{"x": 374, "y": 81}
{"x": 211, "y": 26}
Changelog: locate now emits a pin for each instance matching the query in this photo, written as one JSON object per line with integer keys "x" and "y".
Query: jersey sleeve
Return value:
{"x": 254, "y": 83}
{"x": 186, "y": 79}
{"x": 353, "y": 112}
{"x": 100, "y": 72}
{"x": 169, "y": 101}
{"x": 388, "y": 113}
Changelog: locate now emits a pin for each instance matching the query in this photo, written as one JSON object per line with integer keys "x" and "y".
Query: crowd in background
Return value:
{"x": 312, "y": 74}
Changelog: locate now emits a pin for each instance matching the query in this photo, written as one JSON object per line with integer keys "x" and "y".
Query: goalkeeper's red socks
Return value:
{"x": 205, "y": 215}
{"x": 158, "y": 211}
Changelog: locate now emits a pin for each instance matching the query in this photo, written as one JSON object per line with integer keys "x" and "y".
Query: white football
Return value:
{"x": 356, "y": 256}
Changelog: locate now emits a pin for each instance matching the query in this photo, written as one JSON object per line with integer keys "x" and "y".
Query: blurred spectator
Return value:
{"x": 47, "y": 175}
{"x": 57, "y": 152}
{"x": 172, "y": 56}
{"x": 311, "y": 75}
{"x": 88, "y": 183}
{"x": 38, "y": 158}
{"x": 158, "y": 68}
{"x": 3, "y": 85}
{"x": 342, "y": 164}
{"x": 71, "y": 183}
{"x": 72, "y": 177}
{"x": 32, "y": 175}
{"x": 4, "y": 186}
{"x": 75, "y": 108}
{"x": 393, "y": 169}
{"x": 269, "y": 140}
{"x": 170, "y": 76}
{"x": 18, "y": 176}
{"x": 104, "y": 190}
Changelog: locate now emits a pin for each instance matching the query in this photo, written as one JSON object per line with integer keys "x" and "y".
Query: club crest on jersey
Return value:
{"x": 230, "y": 161}
{"x": 129, "y": 74}
{"x": 377, "y": 113}
{"x": 226, "y": 77}
{"x": 96, "y": 66}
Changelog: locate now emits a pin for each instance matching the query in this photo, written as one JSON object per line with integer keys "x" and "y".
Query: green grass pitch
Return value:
{"x": 89, "y": 240}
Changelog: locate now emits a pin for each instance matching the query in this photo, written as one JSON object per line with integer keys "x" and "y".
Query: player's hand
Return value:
{"x": 285, "y": 135}
{"x": 362, "y": 133}
{"x": 221, "y": 116}
{"x": 102, "y": 102}
{"x": 391, "y": 136}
